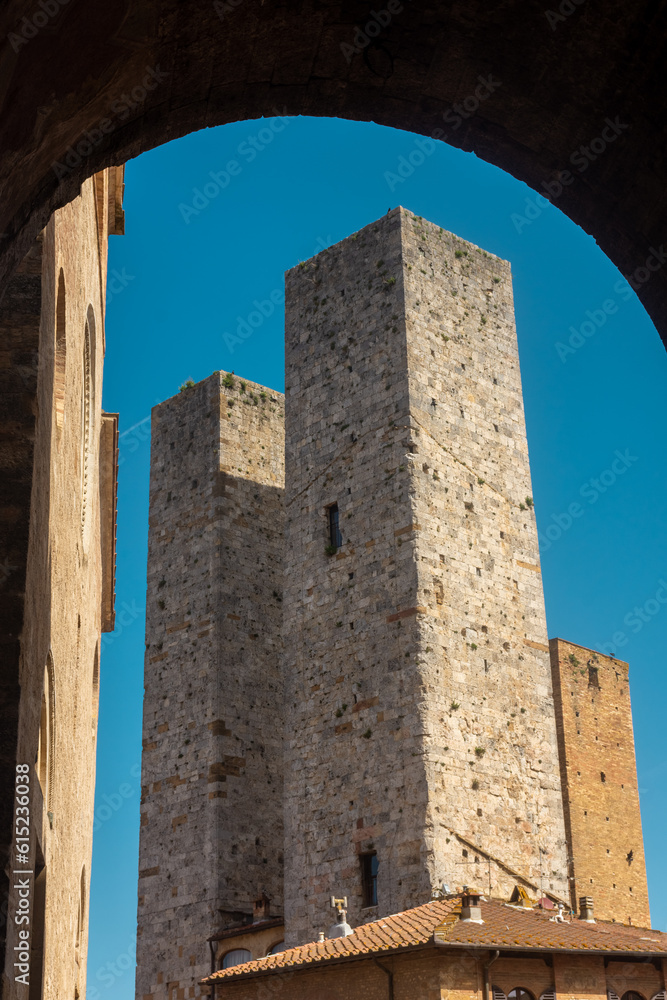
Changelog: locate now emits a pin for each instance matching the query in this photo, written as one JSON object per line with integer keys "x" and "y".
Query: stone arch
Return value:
{"x": 504, "y": 81}
{"x": 60, "y": 358}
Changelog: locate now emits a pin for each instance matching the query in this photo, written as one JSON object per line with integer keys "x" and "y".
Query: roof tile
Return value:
{"x": 438, "y": 923}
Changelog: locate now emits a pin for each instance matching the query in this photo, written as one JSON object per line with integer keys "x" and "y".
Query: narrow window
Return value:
{"x": 60, "y": 355}
{"x": 46, "y": 739}
{"x": 369, "y": 879}
{"x": 85, "y": 441}
{"x": 593, "y": 679}
{"x": 335, "y": 537}
{"x": 96, "y": 685}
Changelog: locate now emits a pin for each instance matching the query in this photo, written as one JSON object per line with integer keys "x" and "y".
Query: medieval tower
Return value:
{"x": 348, "y": 677}
{"x": 211, "y": 820}
{"x": 426, "y": 631}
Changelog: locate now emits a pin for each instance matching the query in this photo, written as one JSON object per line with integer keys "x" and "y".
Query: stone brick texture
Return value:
{"x": 55, "y": 385}
{"x": 419, "y": 711}
{"x": 211, "y": 817}
{"x": 599, "y": 775}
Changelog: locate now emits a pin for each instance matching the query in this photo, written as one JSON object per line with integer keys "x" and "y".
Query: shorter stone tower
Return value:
{"x": 211, "y": 818}
{"x": 599, "y": 777}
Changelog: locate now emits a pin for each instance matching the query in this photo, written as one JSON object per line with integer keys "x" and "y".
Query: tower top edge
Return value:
{"x": 397, "y": 214}
{"x": 216, "y": 380}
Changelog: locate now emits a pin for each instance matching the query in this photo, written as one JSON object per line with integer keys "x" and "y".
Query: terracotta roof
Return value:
{"x": 438, "y": 923}
{"x": 516, "y": 927}
{"x": 410, "y": 928}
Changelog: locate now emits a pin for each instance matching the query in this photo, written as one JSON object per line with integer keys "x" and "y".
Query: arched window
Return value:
{"x": 236, "y": 957}
{"x": 632, "y": 995}
{"x": 87, "y": 410}
{"x": 47, "y": 732}
{"x": 519, "y": 993}
{"x": 277, "y": 948}
{"x": 60, "y": 356}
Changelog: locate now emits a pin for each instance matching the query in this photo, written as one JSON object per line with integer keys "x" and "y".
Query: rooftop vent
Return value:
{"x": 586, "y": 909}
{"x": 471, "y": 911}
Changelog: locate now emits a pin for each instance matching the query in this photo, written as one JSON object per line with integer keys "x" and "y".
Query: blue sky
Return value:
{"x": 205, "y": 240}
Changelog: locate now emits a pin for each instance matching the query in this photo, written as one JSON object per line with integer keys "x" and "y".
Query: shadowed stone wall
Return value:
{"x": 211, "y": 818}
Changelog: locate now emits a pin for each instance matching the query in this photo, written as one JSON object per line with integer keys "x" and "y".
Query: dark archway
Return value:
{"x": 88, "y": 85}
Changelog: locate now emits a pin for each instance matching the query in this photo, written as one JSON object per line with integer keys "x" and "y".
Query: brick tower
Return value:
{"x": 599, "y": 775}
{"x": 420, "y": 732}
{"x": 211, "y": 819}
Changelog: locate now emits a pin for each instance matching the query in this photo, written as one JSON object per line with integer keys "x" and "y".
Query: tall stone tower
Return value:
{"x": 211, "y": 819}
{"x": 420, "y": 731}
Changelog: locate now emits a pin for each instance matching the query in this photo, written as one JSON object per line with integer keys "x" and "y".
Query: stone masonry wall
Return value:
{"x": 599, "y": 775}
{"x": 211, "y": 820}
{"x": 490, "y": 746}
{"x": 400, "y": 739}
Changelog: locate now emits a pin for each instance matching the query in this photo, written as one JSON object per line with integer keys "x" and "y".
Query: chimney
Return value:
{"x": 586, "y": 909}
{"x": 261, "y": 908}
{"x": 471, "y": 911}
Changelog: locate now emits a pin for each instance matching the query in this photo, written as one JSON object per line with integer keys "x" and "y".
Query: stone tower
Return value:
{"x": 211, "y": 819}
{"x": 420, "y": 731}
{"x": 599, "y": 775}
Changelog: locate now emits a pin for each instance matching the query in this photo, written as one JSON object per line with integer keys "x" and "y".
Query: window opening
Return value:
{"x": 335, "y": 537}
{"x": 236, "y": 957}
{"x": 369, "y": 879}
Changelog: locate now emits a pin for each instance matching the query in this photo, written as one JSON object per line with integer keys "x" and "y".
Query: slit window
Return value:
{"x": 369, "y": 879}
{"x": 335, "y": 537}
{"x": 593, "y": 679}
